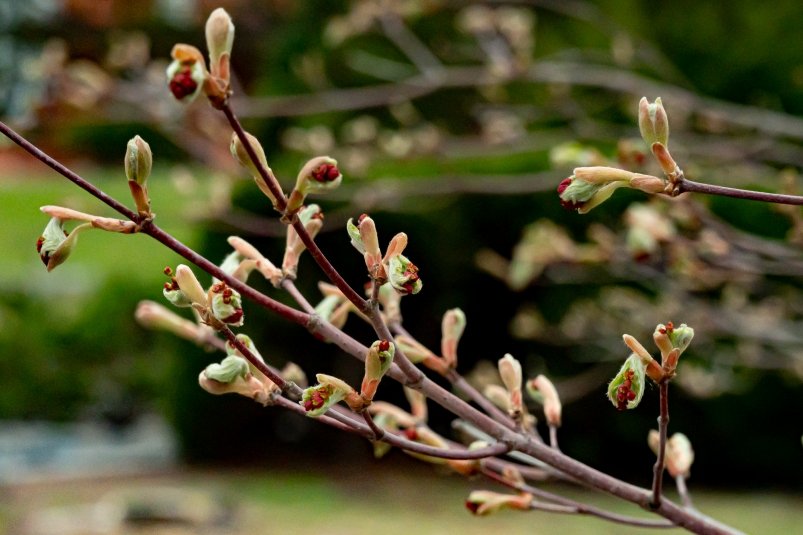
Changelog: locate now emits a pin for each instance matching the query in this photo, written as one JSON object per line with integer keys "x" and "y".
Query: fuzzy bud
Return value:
{"x": 548, "y": 396}
{"x": 189, "y": 285}
{"x": 239, "y": 152}
{"x": 138, "y": 160}
{"x": 679, "y": 455}
{"x": 378, "y": 361}
{"x": 510, "y": 373}
{"x": 152, "y": 315}
{"x": 452, "y": 327}
{"x": 485, "y": 502}
{"x": 219, "y": 40}
{"x": 653, "y": 122}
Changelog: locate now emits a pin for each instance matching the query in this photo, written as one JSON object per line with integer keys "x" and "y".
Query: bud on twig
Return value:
{"x": 318, "y": 175}
{"x": 330, "y": 390}
{"x": 312, "y": 218}
{"x": 232, "y": 376}
{"x": 653, "y": 369}
{"x": 548, "y": 396}
{"x": 187, "y": 74}
{"x": 219, "y": 40}
{"x": 510, "y": 372}
{"x": 679, "y": 455}
{"x": 189, "y": 286}
{"x": 152, "y": 315}
{"x": 55, "y": 244}
{"x": 378, "y": 361}
{"x": 652, "y": 122}
{"x": 485, "y": 502}
{"x": 226, "y": 304}
{"x": 240, "y": 154}
{"x": 138, "y": 163}
{"x": 452, "y": 327}
{"x": 627, "y": 388}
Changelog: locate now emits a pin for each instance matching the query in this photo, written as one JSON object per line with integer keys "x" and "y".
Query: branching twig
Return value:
{"x": 663, "y": 423}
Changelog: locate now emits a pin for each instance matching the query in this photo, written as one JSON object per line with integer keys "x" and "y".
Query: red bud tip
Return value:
{"x": 624, "y": 392}
{"x": 568, "y": 205}
{"x": 472, "y": 506}
{"x": 317, "y": 399}
{"x": 325, "y": 173}
{"x": 411, "y": 433}
{"x": 39, "y": 244}
{"x": 182, "y": 85}
{"x": 384, "y": 345}
{"x": 235, "y": 317}
{"x": 168, "y": 271}
{"x": 361, "y": 218}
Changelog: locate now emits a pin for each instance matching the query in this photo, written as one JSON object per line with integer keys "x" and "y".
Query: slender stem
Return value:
{"x": 663, "y": 423}
{"x": 460, "y": 383}
{"x": 553, "y": 437}
{"x": 683, "y": 491}
{"x": 329, "y": 270}
{"x": 290, "y": 287}
{"x": 259, "y": 364}
{"x": 710, "y": 189}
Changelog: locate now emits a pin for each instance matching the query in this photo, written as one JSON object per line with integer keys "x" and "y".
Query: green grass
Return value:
{"x": 391, "y": 499}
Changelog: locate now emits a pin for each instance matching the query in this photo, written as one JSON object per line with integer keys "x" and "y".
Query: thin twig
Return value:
{"x": 553, "y": 436}
{"x": 663, "y": 423}
{"x": 723, "y": 191}
{"x": 683, "y": 491}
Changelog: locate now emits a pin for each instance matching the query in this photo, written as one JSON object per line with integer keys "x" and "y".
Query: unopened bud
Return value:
{"x": 219, "y": 40}
{"x": 679, "y": 455}
{"x": 652, "y": 368}
{"x": 239, "y": 152}
{"x": 189, "y": 285}
{"x": 413, "y": 349}
{"x": 548, "y": 397}
{"x": 510, "y": 373}
{"x": 648, "y": 183}
{"x": 138, "y": 160}
{"x": 378, "y": 361}
{"x": 452, "y": 327}
{"x": 485, "y": 502}
{"x": 152, "y": 315}
{"x": 653, "y": 122}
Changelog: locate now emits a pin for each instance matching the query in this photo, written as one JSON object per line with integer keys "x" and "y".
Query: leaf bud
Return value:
{"x": 485, "y": 502}
{"x": 138, "y": 160}
{"x": 378, "y": 361}
{"x": 653, "y": 122}
{"x": 239, "y": 152}
{"x": 219, "y": 40}
{"x": 189, "y": 285}
{"x": 548, "y": 396}
{"x": 452, "y": 327}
